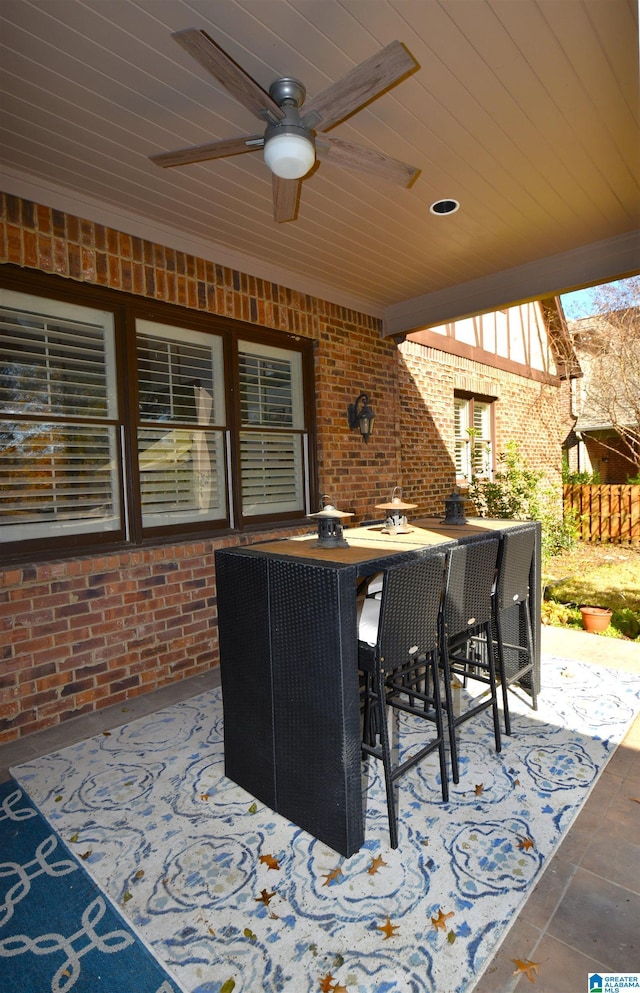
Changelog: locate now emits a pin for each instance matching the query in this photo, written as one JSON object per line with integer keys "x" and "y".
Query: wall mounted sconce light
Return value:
{"x": 329, "y": 521}
{"x": 361, "y": 416}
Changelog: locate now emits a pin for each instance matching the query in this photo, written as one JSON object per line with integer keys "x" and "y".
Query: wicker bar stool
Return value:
{"x": 466, "y": 618}
{"x": 398, "y": 648}
{"x": 511, "y": 613}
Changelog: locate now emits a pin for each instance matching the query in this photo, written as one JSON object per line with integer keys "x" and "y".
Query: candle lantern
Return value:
{"x": 396, "y": 518}
{"x": 330, "y": 527}
{"x": 454, "y": 509}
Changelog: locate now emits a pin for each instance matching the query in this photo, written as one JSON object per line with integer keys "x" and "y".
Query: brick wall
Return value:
{"x": 82, "y": 633}
{"x": 526, "y": 411}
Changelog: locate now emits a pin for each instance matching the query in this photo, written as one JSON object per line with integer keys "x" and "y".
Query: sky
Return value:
{"x": 581, "y": 304}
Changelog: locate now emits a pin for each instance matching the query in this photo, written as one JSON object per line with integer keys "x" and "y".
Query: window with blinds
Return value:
{"x": 272, "y": 450}
{"x": 59, "y": 453}
{"x": 473, "y": 437}
{"x": 182, "y": 419}
{"x": 124, "y": 421}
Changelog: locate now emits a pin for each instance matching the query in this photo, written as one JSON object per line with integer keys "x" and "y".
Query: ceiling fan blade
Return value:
{"x": 362, "y": 84}
{"x": 214, "y": 150}
{"x": 345, "y": 153}
{"x": 232, "y": 76}
{"x": 285, "y": 198}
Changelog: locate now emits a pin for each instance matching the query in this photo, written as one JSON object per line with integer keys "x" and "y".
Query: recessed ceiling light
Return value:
{"x": 442, "y": 207}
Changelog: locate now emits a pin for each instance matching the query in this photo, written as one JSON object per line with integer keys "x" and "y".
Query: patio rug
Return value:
{"x": 230, "y": 896}
{"x": 58, "y": 931}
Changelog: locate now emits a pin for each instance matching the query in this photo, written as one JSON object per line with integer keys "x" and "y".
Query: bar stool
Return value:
{"x": 398, "y": 647}
{"x": 511, "y": 613}
{"x": 467, "y": 635}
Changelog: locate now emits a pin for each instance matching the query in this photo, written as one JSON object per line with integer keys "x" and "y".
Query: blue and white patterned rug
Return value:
{"x": 230, "y": 896}
{"x": 58, "y": 932}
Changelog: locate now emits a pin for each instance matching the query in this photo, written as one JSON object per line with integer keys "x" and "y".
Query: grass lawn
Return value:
{"x": 598, "y": 574}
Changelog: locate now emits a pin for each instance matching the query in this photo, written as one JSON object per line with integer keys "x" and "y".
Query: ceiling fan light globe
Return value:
{"x": 289, "y": 156}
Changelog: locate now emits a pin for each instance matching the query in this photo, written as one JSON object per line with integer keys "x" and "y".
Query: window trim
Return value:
{"x": 126, "y": 309}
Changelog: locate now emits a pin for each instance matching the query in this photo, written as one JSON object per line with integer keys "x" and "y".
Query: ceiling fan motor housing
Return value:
{"x": 289, "y": 146}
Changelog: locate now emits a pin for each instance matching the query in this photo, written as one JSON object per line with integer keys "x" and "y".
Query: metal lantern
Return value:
{"x": 396, "y": 519}
{"x": 330, "y": 527}
{"x": 454, "y": 509}
{"x": 361, "y": 416}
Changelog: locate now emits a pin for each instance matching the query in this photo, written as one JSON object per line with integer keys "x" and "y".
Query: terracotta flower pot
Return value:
{"x": 595, "y": 618}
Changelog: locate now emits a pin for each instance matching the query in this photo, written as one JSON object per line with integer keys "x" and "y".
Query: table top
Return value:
{"x": 373, "y": 541}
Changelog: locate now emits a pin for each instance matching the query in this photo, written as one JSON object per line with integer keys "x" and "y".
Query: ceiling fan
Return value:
{"x": 292, "y": 139}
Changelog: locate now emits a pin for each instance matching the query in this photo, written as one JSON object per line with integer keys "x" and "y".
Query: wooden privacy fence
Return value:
{"x": 605, "y": 513}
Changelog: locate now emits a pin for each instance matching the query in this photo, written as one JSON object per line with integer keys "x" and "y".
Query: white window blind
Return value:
{"x": 272, "y": 465}
{"x": 473, "y": 442}
{"x": 181, "y": 435}
{"x": 461, "y": 422}
{"x": 59, "y": 461}
{"x": 481, "y": 445}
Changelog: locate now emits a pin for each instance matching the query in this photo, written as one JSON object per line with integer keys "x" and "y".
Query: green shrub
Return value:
{"x": 627, "y": 622}
{"x": 578, "y": 478}
{"x": 516, "y": 492}
{"x": 581, "y": 478}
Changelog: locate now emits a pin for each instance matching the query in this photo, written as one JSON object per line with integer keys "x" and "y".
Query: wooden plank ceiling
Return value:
{"x": 526, "y": 111}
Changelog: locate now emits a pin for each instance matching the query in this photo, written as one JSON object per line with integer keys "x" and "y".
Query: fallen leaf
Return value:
{"x": 204, "y": 796}
{"x": 85, "y": 855}
{"x": 636, "y": 799}
{"x": 525, "y": 844}
{"x": 451, "y": 937}
{"x": 440, "y": 922}
{"x": 228, "y": 987}
{"x": 388, "y": 929}
{"x": 376, "y": 864}
{"x": 326, "y": 983}
{"x": 331, "y": 877}
{"x": 270, "y": 862}
{"x": 340, "y": 989}
{"x": 127, "y": 897}
{"x": 74, "y": 837}
{"x": 139, "y": 874}
{"x": 248, "y": 933}
{"x": 479, "y": 790}
{"x": 253, "y": 808}
{"x": 265, "y": 897}
{"x": 530, "y": 969}
{"x": 107, "y": 734}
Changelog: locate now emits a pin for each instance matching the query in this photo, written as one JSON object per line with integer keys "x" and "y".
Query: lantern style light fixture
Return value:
{"x": 361, "y": 416}
{"x": 330, "y": 527}
{"x": 454, "y": 509}
{"x": 396, "y": 518}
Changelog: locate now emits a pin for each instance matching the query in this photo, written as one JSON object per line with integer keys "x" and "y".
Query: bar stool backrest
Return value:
{"x": 514, "y": 567}
{"x": 409, "y": 609}
{"x": 470, "y": 576}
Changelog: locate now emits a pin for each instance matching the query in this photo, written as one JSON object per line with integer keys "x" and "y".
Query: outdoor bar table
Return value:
{"x": 287, "y": 624}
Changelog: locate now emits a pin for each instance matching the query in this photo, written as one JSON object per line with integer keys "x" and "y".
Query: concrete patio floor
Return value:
{"x": 582, "y": 915}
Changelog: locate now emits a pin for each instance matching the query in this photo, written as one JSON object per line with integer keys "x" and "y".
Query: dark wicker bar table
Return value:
{"x": 287, "y": 625}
